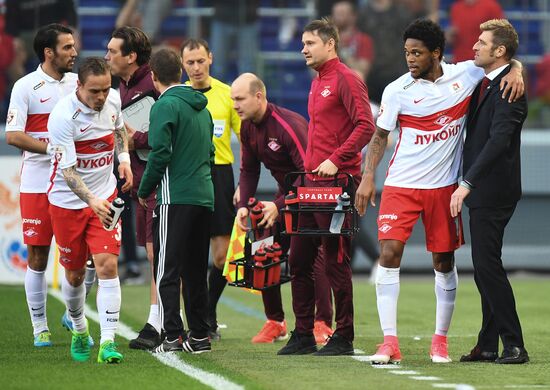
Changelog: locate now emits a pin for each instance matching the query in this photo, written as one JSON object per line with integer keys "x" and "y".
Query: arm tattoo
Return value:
{"x": 375, "y": 151}
{"x": 75, "y": 183}
{"x": 121, "y": 140}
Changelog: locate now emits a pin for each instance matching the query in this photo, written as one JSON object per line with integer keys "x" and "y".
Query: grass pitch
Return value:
{"x": 23, "y": 366}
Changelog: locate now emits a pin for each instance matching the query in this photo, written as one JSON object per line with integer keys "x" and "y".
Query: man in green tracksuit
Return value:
{"x": 180, "y": 135}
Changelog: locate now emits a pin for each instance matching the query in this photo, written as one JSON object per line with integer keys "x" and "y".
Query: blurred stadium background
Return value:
{"x": 279, "y": 62}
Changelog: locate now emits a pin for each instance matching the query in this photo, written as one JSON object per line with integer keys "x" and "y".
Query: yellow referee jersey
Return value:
{"x": 225, "y": 119}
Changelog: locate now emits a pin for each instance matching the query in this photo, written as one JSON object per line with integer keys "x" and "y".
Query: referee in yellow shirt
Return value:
{"x": 197, "y": 58}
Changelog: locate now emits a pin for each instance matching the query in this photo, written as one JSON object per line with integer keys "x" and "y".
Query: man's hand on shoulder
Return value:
{"x": 513, "y": 83}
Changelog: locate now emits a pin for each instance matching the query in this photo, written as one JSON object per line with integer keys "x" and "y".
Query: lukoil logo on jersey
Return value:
{"x": 95, "y": 162}
{"x": 433, "y": 136}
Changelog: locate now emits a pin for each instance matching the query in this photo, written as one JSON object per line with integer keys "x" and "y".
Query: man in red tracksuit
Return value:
{"x": 341, "y": 124}
{"x": 276, "y": 137}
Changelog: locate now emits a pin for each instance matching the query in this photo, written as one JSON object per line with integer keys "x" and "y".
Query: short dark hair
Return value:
{"x": 134, "y": 40}
{"x": 430, "y": 33}
{"x": 96, "y": 66}
{"x": 193, "y": 44}
{"x": 325, "y": 29}
{"x": 46, "y": 37}
{"x": 504, "y": 34}
{"x": 166, "y": 66}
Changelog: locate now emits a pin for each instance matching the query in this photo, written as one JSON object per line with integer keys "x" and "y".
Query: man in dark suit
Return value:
{"x": 491, "y": 188}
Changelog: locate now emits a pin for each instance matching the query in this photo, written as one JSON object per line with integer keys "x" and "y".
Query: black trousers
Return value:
{"x": 181, "y": 239}
{"x": 498, "y": 305}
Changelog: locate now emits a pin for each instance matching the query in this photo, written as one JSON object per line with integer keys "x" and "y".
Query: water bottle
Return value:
{"x": 337, "y": 221}
{"x": 256, "y": 215}
{"x": 269, "y": 260}
{"x": 117, "y": 206}
{"x": 259, "y": 272}
{"x": 291, "y": 217}
{"x": 277, "y": 253}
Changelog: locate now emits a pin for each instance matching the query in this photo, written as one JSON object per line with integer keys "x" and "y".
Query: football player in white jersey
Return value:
{"x": 87, "y": 131}
{"x": 429, "y": 106}
{"x": 32, "y": 99}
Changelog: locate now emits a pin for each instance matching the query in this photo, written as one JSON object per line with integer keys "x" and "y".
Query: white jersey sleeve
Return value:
{"x": 389, "y": 108}
{"x": 62, "y": 136}
{"x": 18, "y": 108}
{"x": 475, "y": 73}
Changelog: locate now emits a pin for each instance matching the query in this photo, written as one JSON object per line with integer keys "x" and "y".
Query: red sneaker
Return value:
{"x": 388, "y": 352}
{"x": 271, "y": 331}
{"x": 438, "y": 351}
{"x": 322, "y": 332}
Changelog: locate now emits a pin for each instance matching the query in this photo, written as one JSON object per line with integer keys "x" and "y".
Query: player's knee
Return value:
{"x": 390, "y": 256}
{"x": 107, "y": 269}
{"x": 38, "y": 258}
{"x": 75, "y": 277}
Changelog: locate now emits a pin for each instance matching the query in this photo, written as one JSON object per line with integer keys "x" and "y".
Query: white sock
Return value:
{"x": 108, "y": 307}
{"x": 89, "y": 279}
{"x": 74, "y": 300}
{"x": 154, "y": 318}
{"x": 445, "y": 294}
{"x": 387, "y": 293}
{"x": 36, "y": 290}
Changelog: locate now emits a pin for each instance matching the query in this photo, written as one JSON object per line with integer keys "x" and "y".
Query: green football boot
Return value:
{"x": 80, "y": 348}
{"x": 108, "y": 353}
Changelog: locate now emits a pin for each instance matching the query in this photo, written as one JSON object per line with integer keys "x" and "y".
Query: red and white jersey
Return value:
{"x": 32, "y": 99}
{"x": 431, "y": 117}
{"x": 86, "y": 138}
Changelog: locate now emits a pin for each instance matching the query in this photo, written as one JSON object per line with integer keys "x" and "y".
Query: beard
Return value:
{"x": 60, "y": 66}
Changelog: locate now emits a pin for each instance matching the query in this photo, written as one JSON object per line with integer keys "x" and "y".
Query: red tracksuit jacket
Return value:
{"x": 340, "y": 118}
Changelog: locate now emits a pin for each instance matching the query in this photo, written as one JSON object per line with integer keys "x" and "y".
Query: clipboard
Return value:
{"x": 136, "y": 115}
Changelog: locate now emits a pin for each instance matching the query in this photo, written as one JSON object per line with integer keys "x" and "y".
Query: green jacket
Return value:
{"x": 180, "y": 136}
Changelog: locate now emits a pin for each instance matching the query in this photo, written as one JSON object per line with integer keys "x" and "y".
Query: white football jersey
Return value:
{"x": 86, "y": 138}
{"x": 430, "y": 117}
{"x": 32, "y": 99}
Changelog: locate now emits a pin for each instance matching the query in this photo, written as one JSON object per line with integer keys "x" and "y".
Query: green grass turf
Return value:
{"x": 258, "y": 366}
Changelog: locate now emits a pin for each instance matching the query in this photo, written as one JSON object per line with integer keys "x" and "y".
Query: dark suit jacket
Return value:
{"x": 492, "y": 147}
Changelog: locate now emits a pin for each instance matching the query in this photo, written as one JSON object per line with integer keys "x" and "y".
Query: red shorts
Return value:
{"x": 401, "y": 207}
{"x": 144, "y": 220}
{"x": 37, "y": 225}
{"x": 79, "y": 233}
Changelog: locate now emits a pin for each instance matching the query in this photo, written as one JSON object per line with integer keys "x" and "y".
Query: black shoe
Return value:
{"x": 193, "y": 345}
{"x": 513, "y": 355}
{"x": 477, "y": 355}
{"x": 299, "y": 344}
{"x": 148, "y": 338}
{"x": 169, "y": 346}
{"x": 336, "y": 345}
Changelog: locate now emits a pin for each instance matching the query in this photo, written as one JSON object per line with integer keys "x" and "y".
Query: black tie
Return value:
{"x": 483, "y": 89}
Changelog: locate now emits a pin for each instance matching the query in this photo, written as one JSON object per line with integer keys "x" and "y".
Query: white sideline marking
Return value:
{"x": 425, "y": 378}
{"x": 358, "y": 351}
{"x": 404, "y": 372}
{"x": 214, "y": 381}
{"x": 455, "y": 386}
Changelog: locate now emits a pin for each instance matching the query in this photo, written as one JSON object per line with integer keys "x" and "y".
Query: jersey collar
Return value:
{"x": 47, "y": 77}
